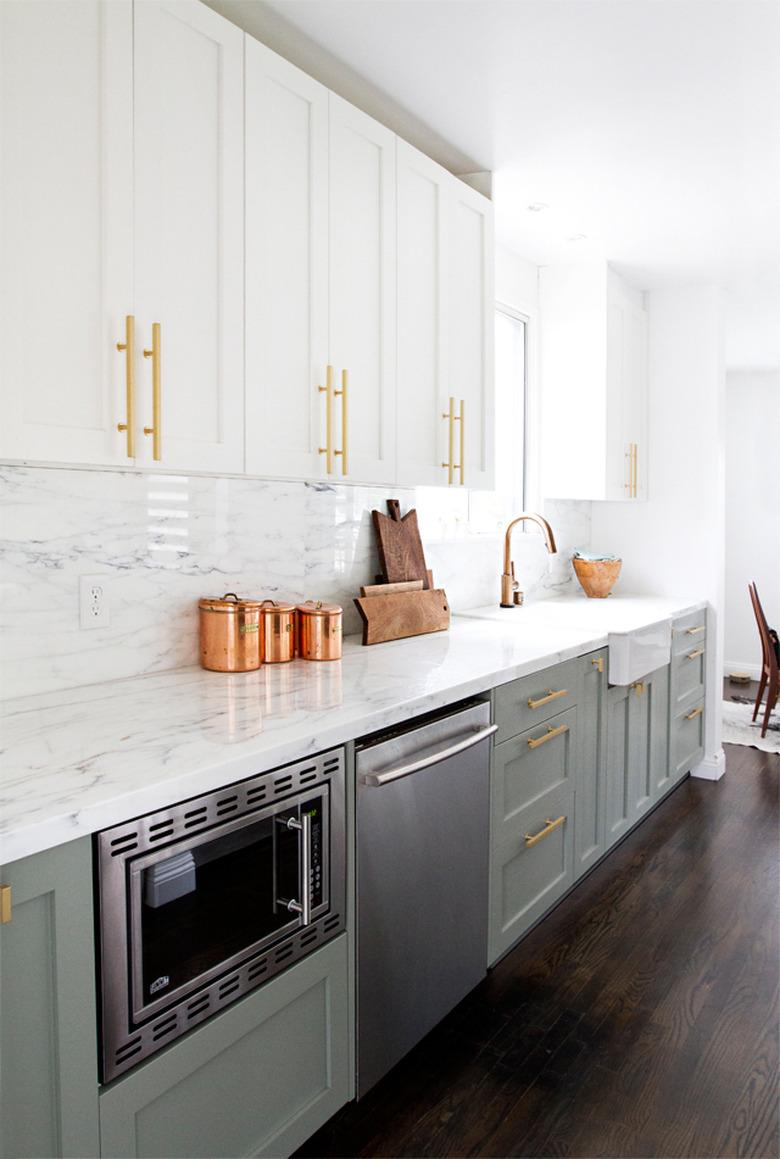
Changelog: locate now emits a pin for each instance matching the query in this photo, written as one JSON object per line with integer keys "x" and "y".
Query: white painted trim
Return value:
{"x": 711, "y": 768}
{"x": 752, "y": 670}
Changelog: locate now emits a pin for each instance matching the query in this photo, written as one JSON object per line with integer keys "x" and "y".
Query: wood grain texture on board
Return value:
{"x": 394, "y": 617}
{"x": 401, "y": 555}
{"x": 382, "y": 589}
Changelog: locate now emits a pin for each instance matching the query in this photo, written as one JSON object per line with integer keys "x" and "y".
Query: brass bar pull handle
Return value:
{"x": 450, "y": 464}
{"x": 694, "y": 713}
{"x": 694, "y": 631}
{"x": 462, "y": 464}
{"x": 5, "y": 904}
{"x": 695, "y": 653}
{"x": 629, "y": 455}
{"x": 534, "y": 743}
{"x": 635, "y": 477}
{"x": 344, "y": 396}
{"x": 550, "y": 827}
{"x": 128, "y": 347}
{"x": 546, "y": 699}
{"x": 327, "y": 390}
{"x": 599, "y": 664}
{"x": 155, "y": 430}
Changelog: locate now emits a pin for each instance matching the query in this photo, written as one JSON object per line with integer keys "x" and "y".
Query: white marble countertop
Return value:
{"x": 77, "y": 761}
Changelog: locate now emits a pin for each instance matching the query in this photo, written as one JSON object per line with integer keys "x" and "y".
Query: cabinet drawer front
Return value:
{"x": 527, "y": 878}
{"x": 535, "y": 698}
{"x": 688, "y": 673}
{"x": 689, "y": 632}
{"x": 530, "y": 765}
{"x": 687, "y": 738}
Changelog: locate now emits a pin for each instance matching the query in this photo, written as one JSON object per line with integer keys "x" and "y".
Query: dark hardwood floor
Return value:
{"x": 640, "y": 1018}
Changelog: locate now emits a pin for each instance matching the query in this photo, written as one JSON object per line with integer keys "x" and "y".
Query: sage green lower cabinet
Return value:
{"x": 48, "y": 1033}
{"x": 257, "y": 1080}
{"x": 532, "y": 829}
{"x": 687, "y": 739}
{"x": 637, "y": 750}
{"x": 589, "y": 812}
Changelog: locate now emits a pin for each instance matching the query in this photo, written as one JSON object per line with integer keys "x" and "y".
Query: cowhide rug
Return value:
{"x": 738, "y": 728}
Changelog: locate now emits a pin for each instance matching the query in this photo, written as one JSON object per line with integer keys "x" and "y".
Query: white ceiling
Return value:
{"x": 650, "y": 126}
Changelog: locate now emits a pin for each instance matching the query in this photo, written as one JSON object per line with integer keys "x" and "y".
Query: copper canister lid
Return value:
{"x": 268, "y": 607}
{"x": 230, "y": 602}
{"x": 319, "y": 608}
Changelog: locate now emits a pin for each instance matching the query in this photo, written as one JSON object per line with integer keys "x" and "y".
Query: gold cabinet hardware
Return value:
{"x": 155, "y": 430}
{"x": 694, "y": 713}
{"x": 599, "y": 664}
{"x": 636, "y": 472}
{"x": 449, "y": 415}
{"x": 638, "y": 687}
{"x": 549, "y": 827}
{"x": 696, "y": 652}
{"x": 128, "y": 347}
{"x": 5, "y": 904}
{"x": 694, "y": 631}
{"x": 550, "y": 695}
{"x": 327, "y": 390}
{"x": 631, "y": 485}
{"x": 535, "y": 742}
{"x": 461, "y": 418}
{"x": 343, "y": 395}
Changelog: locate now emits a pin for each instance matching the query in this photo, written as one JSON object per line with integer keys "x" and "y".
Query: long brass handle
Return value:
{"x": 128, "y": 347}
{"x": 629, "y": 455}
{"x": 5, "y": 904}
{"x": 695, "y": 631}
{"x": 155, "y": 430}
{"x": 696, "y": 712}
{"x": 450, "y": 464}
{"x": 461, "y": 418}
{"x": 327, "y": 390}
{"x": 636, "y": 471}
{"x": 343, "y": 395}
{"x": 550, "y": 827}
{"x": 535, "y": 742}
{"x": 546, "y": 699}
{"x": 695, "y": 653}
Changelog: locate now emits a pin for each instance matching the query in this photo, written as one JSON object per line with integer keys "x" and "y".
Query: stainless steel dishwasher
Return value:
{"x": 422, "y": 879}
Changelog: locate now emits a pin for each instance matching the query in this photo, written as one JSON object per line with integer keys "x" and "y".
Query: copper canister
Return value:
{"x": 231, "y": 634}
{"x": 319, "y": 630}
{"x": 278, "y": 631}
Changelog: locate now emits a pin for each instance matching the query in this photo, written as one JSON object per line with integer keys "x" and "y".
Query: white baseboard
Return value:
{"x": 752, "y": 670}
{"x": 711, "y": 768}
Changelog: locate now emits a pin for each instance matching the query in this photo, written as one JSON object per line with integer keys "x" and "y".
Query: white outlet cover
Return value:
{"x": 93, "y": 601}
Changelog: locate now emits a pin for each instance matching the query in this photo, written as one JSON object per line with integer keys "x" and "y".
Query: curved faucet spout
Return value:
{"x": 511, "y": 596}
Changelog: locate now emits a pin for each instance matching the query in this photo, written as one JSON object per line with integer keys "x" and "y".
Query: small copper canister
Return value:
{"x": 278, "y": 631}
{"x": 319, "y": 630}
{"x": 231, "y": 634}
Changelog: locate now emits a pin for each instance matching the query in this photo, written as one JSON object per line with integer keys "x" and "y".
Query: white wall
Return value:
{"x": 674, "y": 543}
{"x": 752, "y": 511}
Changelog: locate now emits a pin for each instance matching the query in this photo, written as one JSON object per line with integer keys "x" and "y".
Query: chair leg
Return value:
{"x": 771, "y": 701}
{"x": 761, "y": 687}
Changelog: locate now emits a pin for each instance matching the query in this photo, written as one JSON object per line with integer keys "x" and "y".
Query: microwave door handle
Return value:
{"x": 302, "y": 907}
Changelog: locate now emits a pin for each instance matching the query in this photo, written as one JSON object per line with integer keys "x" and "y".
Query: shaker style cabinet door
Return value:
{"x": 189, "y": 237}
{"x": 286, "y": 266}
{"x": 422, "y": 394}
{"x": 470, "y": 325}
{"x": 626, "y": 394}
{"x": 65, "y": 228}
{"x": 362, "y": 296}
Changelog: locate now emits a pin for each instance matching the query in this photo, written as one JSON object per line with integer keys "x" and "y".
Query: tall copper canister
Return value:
{"x": 231, "y": 634}
{"x": 319, "y": 630}
{"x": 278, "y": 631}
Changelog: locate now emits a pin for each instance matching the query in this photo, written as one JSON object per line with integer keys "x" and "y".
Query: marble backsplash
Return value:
{"x": 161, "y": 541}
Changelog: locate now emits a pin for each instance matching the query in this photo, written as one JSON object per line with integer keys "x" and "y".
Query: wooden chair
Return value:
{"x": 770, "y": 670}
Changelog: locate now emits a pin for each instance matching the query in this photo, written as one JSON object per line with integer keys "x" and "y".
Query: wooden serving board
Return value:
{"x": 401, "y": 555}
{"x": 380, "y": 589}
{"x": 394, "y": 617}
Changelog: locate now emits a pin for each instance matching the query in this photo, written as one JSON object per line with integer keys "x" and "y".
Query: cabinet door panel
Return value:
{"x": 422, "y": 303}
{"x": 589, "y": 841}
{"x": 189, "y": 238}
{"x": 362, "y": 288}
{"x": 65, "y": 222}
{"x": 286, "y": 265}
{"x": 619, "y": 753}
{"x": 470, "y": 324}
{"x": 525, "y": 769}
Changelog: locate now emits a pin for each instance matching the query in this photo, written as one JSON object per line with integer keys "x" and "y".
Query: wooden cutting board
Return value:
{"x": 382, "y": 589}
{"x": 401, "y": 555}
{"x": 394, "y": 617}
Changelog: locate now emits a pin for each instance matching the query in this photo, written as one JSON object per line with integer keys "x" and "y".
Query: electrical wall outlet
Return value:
{"x": 93, "y": 601}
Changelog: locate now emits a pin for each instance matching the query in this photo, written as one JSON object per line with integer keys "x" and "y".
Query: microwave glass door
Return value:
{"x": 201, "y": 906}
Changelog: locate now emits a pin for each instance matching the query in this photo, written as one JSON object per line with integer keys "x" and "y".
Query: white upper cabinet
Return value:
{"x": 286, "y": 266}
{"x": 594, "y": 377}
{"x": 189, "y": 243}
{"x": 65, "y": 239}
{"x": 470, "y": 325}
{"x": 362, "y": 289}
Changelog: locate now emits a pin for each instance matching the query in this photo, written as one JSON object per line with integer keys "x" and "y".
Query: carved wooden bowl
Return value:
{"x": 597, "y": 576}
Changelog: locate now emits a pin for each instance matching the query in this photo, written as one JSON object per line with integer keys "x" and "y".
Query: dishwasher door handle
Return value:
{"x": 376, "y": 780}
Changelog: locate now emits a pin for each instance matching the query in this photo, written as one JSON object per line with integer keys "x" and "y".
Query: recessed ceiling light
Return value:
{"x": 578, "y": 237}
{"x": 537, "y": 206}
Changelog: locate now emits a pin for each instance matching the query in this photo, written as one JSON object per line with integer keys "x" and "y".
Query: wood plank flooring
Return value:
{"x": 639, "y": 1019}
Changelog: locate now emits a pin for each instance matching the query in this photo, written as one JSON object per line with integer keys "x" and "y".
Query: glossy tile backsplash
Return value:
{"x": 162, "y": 541}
